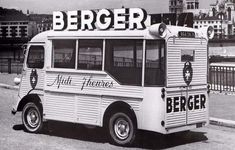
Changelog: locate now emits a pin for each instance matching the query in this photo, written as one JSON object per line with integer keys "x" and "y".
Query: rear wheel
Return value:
{"x": 32, "y": 118}
{"x": 122, "y": 128}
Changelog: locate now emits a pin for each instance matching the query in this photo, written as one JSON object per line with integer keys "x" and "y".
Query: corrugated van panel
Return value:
{"x": 200, "y": 115}
{"x": 25, "y": 86}
{"x": 77, "y": 81}
{"x": 133, "y": 102}
{"x": 88, "y": 109}
{"x": 175, "y": 66}
{"x": 175, "y": 119}
{"x": 60, "y": 106}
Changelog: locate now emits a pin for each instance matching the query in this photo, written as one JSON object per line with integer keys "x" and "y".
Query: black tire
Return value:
{"x": 122, "y": 129}
{"x": 32, "y": 118}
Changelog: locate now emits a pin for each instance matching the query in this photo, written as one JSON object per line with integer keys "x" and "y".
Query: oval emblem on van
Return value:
{"x": 33, "y": 78}
{"x": 188, "y": 73}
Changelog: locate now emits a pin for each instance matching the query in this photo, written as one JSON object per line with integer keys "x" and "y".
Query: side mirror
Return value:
{"x": 17, "y": 80}
{"x": 24, "y": 48}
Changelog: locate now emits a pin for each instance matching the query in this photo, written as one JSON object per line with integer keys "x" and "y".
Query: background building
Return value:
{"x": 220, "y": 15}
{"x": 16, "y": 29}
{"x": 219, "y": 25}
{"x": 176, "y": 6}
{"x": 191, "y": 4}
{"x": 43, "y": 21}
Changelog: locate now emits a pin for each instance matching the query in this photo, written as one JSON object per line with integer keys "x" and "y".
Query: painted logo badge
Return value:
{"x": 188, "y": 72}
{"x": 33, "y": 78}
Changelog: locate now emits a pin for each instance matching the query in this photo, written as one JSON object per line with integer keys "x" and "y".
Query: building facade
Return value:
{"x": 43, "y": 22}
{"x": 16, "y": 29}
{"x": 176, "y": 6}
{"x": 179, "y": 6}
{"x": 191, "y": 4}
{"x": 220, "y": 26}
{"x": 220, "y": 15}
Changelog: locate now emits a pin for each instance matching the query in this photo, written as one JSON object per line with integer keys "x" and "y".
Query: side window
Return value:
{"x": 155, "y": 63}
{"x": 124, "y": 60}
{"x": 90, "y": 54}
{"x": 35, "y": 57}
{"x": 64, "y": 54}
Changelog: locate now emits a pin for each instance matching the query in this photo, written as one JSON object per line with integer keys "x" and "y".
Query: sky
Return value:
{"x": 48, "y": 6}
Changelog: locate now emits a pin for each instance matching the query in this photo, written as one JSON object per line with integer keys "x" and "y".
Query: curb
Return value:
{"x": 222, "y": 122}
{"x": 6, "y": 86}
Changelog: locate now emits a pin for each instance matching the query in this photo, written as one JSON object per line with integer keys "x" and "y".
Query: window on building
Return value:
{"x": 36, "y": 57}
{"x": 188, "y": 6}
{"x": 155, "y": 63}
{"x": 4, "y": 31}
{"x": 196, "y": 5}
{"x": 196, "y": 27}
{"x": 90, "y": 54}
{"x": 64, "y": 53}
{"x": 192, "y": 6}
{"x": 23, "y": 31}
{"x": 13, "y": 31}
{"x": 123, "y": 60}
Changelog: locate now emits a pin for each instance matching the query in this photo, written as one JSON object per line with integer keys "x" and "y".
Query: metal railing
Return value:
{"x": 10, "y": 65}
{"x": 222, "y": 78}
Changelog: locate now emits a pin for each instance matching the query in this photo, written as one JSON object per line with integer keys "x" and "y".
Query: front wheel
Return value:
{"x": 122, "y": 129}
{"x": 32, "y": 118}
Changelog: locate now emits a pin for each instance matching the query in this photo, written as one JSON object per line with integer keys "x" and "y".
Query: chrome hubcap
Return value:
{"x": 32, "y": 118}
{"x": 121, "y": 128}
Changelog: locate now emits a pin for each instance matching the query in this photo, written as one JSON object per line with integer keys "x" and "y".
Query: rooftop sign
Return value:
{"x": 119, "y": 19}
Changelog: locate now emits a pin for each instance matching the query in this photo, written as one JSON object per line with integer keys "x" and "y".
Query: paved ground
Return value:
{"x": 6, "y": 78}
{"x": 222, "y": 106}
{"x": 64, "y": 136}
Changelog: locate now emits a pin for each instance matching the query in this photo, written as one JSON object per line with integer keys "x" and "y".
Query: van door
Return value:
{"x": 186, "y": 101}
{"x": 33, "y": 71}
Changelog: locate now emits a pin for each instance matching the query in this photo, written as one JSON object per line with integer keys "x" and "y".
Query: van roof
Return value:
{"x": 97, "y": 34}
{"x": 110, "y": 34}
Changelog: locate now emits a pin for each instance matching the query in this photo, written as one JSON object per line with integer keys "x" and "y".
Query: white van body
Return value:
{"x": 177, "y": 102}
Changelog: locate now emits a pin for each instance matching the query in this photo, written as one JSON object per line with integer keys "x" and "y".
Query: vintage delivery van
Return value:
{"x": 121, "y": 75}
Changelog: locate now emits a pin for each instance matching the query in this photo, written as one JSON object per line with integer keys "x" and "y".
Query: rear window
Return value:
{"x": 187, "y": 55}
